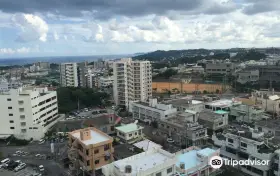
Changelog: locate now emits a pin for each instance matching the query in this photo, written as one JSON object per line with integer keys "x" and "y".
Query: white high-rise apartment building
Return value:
{"x": 68, "y": 75}
{"x": 132, "y": 81}
{"x": 73, "y": 74}
{"x": 27, "y": 112}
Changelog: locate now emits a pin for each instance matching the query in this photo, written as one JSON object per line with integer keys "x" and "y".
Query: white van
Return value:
{"x": 5, "y": 161}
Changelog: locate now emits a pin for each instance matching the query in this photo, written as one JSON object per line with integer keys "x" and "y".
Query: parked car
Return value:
{"x": 170, "y": 140}
{"x": 41, "y": 141}
{"x": 37, "y": 155}
{"x": 5, "y": 161}
{"x": 41, "y": 168}
{"x": 20, "y": 167}
{"x": 13, "y": 165}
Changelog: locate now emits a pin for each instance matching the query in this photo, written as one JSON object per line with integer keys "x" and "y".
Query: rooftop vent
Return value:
{"x": 128, "y": 169}
{"x": 182, "y": 165}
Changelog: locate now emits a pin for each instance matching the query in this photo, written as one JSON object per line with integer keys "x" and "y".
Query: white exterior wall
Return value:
{"x": 69, "y": 75}
{"x": 110, "y": 169}
{"x": 152, "y": 112}
{"x": 130, "y": 135}
{"x": 132, "y": 81}
{"x": 28, "y": 118}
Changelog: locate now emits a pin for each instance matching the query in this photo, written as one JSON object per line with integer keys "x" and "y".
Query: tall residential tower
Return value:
{"x": 132, "y": 81}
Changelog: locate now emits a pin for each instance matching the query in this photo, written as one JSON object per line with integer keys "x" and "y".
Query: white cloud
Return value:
{"x": 22, "y": 50}
{"x": 32, "y": 27}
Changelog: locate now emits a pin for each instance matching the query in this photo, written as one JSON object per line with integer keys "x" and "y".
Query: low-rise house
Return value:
{"x": 223, "y": 104}
{"x": 152, "y": 162}
{"x": 130, "y": 133}
{"x": 213, "y": 120}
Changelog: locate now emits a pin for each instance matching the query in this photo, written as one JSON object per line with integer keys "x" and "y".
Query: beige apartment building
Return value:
{"x": 90, "y": 149}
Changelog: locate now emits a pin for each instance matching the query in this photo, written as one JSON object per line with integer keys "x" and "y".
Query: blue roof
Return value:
{"x": 190, "y": 158}
{"x": 221, "y": 112}
{"x": 206, "y": 152}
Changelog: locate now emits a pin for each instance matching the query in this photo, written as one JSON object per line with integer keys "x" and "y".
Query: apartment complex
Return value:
{"x": 213, "y": 120}
{"x": 132, "y": 81}
{"x": 246, "y": 113}
{"x": 156, "y": 162}
{"x": 151, "y": 111}
{"x": 242, "y": 143}
{"x": 103, "y": 82}
{"x": 90, "y": 149}
{"x": 28, "y": 112}
{"x": 184, "y": 129}
{"x": 73, "y": 74}
{"x": 248, "y": 76}
{"x": 220, "y": 68}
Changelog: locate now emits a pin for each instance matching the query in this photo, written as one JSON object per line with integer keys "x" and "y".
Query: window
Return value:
{"x": 12, "y": 128}
{"x": 96, "y": 151}
{"x": 169, "y": 170}
{"x": 88, "y": 163}
{"x": 230, "y": 140}
{"x": 130, "y": 135}
{"x": 8, "y": 99}
{"x": 243, "y": 145}
{"x": 158, "y": 174}
{"x": 22, "y": 116}
{"x": 21, "y": 109}
{"x": 10, "y": 107}
{"x": 87, "y": 152}
{"x": 112, "y": 128}
{"x": 22, "y": 123}
{"x": 106, "y": 147}
{"x": 136, "y": 133}
{"x": 23, "y": 130}
{"x": 10, "y": 114}
{"x": 11, "y": 121}
{"x": 221, "y": 123}
{"x": 96, "y": 162}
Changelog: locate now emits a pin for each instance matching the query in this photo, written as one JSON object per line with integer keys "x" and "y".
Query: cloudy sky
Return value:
{"x": 99, "y": 27}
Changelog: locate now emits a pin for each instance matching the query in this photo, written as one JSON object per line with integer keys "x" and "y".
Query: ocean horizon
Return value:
{"x": 58, "y": 59}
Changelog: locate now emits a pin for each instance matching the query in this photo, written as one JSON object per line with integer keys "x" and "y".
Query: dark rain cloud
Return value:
{"x": 105, "y": 9}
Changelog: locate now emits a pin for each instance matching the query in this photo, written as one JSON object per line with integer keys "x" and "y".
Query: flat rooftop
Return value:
{"x": 221, "y": 103}
{"x": 183, "y": 102}
{"x": 191, "y": 160}
{"x": 144, "y": 162}
{"x": 147, "y": 145}
{"x": 96, "y": 137}
{"x": 210, "y": 115}
{"x": 269, "y": 123}
{"x": 129, "y": 128}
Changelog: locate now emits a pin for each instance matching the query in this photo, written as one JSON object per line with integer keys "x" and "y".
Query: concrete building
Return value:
{"x": 90, "y": 149}
{"x": 246, "y": 113}
{"x": 6, "y": 85}
{"x": 130, "y": 133}
{"x": 73, "y": 74}
{"x": 99, "y": 64}
{"x": 103, "y": 82}
{"x": 184, "y": 129}
{"x": 195, "y": 161}
{"x": 213, "y": 120}
{"x": 151, "y": 111}
{"x": 219, "y": 68}
{"x": 132, "y": 81}
{"x": 223, "y": 104}
{"x": 28, "y": 112}
{"x": 268, "y": 100}
{"x": 248, "y": 76}
{"x": 152, "y": 162}
{"x": 147, "y": 145}
{"x": 43, "y": 65}
{"x": 186, "y": 103}
{"x": 242, "y": 143}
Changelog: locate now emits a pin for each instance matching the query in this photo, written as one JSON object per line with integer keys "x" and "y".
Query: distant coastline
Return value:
{"x": 57, "y": 59}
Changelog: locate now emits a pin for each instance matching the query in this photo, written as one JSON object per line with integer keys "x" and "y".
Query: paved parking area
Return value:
{"x": 25, "y": 172}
